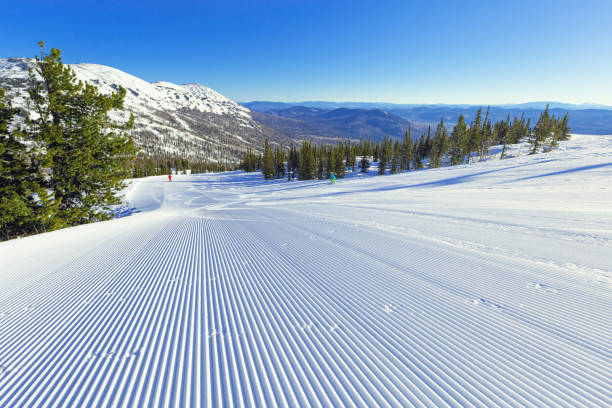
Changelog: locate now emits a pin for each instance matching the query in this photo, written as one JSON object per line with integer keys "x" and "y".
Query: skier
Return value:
{"x": 332, "y": 177}
{"x": 170, "y": 177}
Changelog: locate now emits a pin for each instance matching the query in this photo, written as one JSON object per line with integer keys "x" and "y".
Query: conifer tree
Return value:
{"x": 406, "y": 150}
{"x": 330, "y": 163}
{"x": 18, "y": 181}
{"x": 376, "y": 152}
{"x": 440, "y": 143}
{"x": 503, "y": 134}
{"x": 541, "y": 131}
{"x": 268, "y": 162}
{"x": 396, "y": 158}
{"x": 458, "y": 142}
{"x": 307, "y": 161}
{"x": 279, "y": 162}
{"x": 560, "y": 132}
{"x": 83, "y": 147}
{"x": 364, "y": 164}
{"x": 321, "y": 157}
{"x": 385, "y": 155}
{"x": 249, "y": 161}
{"x": 340, "y": 169}
{"x": 484, "y": 136}
{"x": 418, "y": 152}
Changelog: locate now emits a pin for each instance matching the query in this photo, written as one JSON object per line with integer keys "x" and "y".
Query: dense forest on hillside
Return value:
{"x": 463, "y": 144}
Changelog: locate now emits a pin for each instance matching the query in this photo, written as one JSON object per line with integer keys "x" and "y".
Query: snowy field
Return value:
{"x": 482, "y": 285}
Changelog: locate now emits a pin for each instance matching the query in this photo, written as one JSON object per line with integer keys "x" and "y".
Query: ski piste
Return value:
{"x": 486, "y": 284}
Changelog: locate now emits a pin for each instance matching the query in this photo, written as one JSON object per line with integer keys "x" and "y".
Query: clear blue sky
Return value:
{"x": 395, "y": 51}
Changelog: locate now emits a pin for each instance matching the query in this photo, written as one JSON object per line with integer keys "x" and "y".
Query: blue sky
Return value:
{"x": 431, "y": 51}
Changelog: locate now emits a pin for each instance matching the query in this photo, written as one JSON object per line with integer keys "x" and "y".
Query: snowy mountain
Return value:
{"x": 482, "y": 285}
{"x": 188, "y": 120}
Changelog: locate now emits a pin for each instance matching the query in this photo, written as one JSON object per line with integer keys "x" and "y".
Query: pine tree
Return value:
{"x": 484, "y": 137}
{"x": 364, "y": 164}
{"x": 340, "y": 169}
{"x": 83, "y": 147}
{"x": 249, "y": 161}
{"x": 330, "y": 164}
{"x": 503, "y": 134}
{"x": 385, "y": 155}
{"x": 541, "y": 131}
{"x": 474, "y": 135}
{"x": 376, "y": 152}
{"x": 321, "y": 163}
{"x": 418, "y": 153}
{"x": 440, "y": 145}
{"x": 560, "y": 132}
{"x": 307, "y": 161}
{"x": 396, "y": 158}
{"x": 17, "y": 183}
{"x": 268, "y": 162}
{"x": 279, "y": 162}
{"x": 406, "y": 150}
{"x": 458, "y": 141}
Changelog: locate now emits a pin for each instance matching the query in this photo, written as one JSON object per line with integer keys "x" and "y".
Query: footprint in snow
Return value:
{"x": 542, "y": 287}
{"x": 485, "y": 302}
{"x": 389, "y": 308}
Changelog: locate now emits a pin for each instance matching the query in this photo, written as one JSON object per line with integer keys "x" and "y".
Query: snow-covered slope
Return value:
{"x": 189, "y": 120}
{"x": 482, "y": 285}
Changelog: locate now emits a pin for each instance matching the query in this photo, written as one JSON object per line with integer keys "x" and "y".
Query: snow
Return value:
{"x": 159, "y": 108}
{"x": 486, "y": 284}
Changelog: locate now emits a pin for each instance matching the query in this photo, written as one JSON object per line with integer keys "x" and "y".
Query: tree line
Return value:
{"x": 464, "y": 144}
{"x": 159, "y": 165}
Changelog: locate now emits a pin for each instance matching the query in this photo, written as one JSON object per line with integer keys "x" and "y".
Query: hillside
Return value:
{"x": 584, "y": 118}
{"x": 477, "y": 285}
{"x": 299, "y": 122}
{"x": 190, "y": 120}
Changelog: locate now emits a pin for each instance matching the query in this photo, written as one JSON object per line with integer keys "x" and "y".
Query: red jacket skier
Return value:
{"x": 170, "y": 177}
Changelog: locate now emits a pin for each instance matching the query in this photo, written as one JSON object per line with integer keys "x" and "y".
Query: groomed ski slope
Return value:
{"x": 482, "y": 285}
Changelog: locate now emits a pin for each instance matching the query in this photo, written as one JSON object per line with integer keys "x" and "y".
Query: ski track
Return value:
{"x": 222, "y": 290}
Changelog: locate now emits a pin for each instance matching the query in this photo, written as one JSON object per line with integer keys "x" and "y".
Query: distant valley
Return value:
{"x": 584, "y": 118}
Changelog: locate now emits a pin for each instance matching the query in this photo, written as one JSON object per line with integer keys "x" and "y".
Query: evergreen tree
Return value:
{"x": 485, "y": 136}
{"x": 376, "y": 152}
{"x": 396, "y": 158}
{"x": 279, "y": 162}
{"x": 330, "y": 164}
{"x": 84, "y": 149}
{"x": 458, "y": 142}
{"x": 385, "y": 155}
{"x": 440, "y": 145}
{"x": 268, "y": 162}
{"x": 340, "y": 169}
{"x": 503, "y": 134}
{"x": 560, "y": 132}
{"x": 406, "y": 150}
{"x": 249, "y": 161}
{"x": 18, "y": 181}
{"x": 474, "y": 135}
{"x": 307, "y": 161}
{"x": 321, "y": 157}
{"x": 541, "y": 131}
{"x": 364, "y": 164}
{"x": 419, "y": 153}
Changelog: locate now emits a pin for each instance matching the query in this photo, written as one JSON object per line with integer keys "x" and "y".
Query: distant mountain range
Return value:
{"x": 327, "y": 125}
{"x": 585, "y": 120}
{"x": 194, "y": 121}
